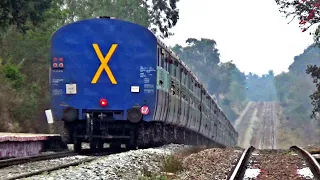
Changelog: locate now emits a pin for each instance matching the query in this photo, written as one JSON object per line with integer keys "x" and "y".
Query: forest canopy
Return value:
{"x": 308, "y": 14}
{"x": 26, "y": 29}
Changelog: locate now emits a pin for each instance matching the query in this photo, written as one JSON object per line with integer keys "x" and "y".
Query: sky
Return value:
{"x": 254, "y": 34}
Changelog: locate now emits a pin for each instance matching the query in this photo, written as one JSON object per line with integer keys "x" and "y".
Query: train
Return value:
{"x": 114, "y": 81}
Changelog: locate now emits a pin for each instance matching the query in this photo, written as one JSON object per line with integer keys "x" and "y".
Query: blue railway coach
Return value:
{"x": 113, "y": 81}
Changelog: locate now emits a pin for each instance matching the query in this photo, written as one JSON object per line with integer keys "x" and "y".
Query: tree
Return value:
{"x": 147, "y": 13}
{"x": 201, "y": 56}
{"x": 315, "y": 97}
{"x": 19, "y": 12}
{"x": 225, "y": 72}
{"x": 307, "y": 11}
{"x": 261, "y": 88}
{"x": 205, "y": 49}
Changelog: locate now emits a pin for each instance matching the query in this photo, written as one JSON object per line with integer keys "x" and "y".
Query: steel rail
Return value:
{"x": 311, "y": 161}
{"x": 240, "y": 168}
{"x": 25, "y": 175}
{"x": 15, "y": 161}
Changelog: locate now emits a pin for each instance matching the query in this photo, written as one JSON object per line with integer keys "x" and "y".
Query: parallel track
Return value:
{"x": 25, "y": 175}
{"x": 15, "y": 161}
{"x": 87, "y": 152}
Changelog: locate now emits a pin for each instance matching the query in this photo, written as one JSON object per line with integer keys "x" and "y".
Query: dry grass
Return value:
{"x": 186, "y": 152}
{"x": 171, "y": 165}
{"x": 14, "y": 117}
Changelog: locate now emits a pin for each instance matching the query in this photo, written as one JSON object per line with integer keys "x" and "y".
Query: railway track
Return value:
{"x": 295, "y": 163}
{"x": 11, "y": 168}
{"x": 28, "y": 174}
{"x": 258, "y": 126}
{"x": 15, "y": 161}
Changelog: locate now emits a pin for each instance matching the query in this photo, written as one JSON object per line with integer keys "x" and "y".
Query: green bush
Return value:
{"x": 13, "y": 75}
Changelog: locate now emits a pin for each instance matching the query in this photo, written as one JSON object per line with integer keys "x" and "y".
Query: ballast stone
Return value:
{"x": 123, "y": 166}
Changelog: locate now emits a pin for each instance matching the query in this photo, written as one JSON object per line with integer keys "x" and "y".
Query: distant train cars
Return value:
{"x": 114, "y": 82}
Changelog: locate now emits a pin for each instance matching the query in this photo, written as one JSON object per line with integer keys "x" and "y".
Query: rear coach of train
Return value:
{"x": 111, "y": 79}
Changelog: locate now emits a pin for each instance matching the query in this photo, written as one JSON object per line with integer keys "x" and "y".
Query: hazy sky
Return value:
{"x": 251, "y": 33}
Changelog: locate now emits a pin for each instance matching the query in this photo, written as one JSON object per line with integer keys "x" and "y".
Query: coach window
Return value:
{"x": 163, "y": 54}
{"x": 192, "y": 85}
{"x": 187, "y": 79}
{"x": 178, "y": 91}
{"x": 174, "y": 68}
{"x": 181, "y": 74}
{"x": 183, "y": 80}
{"x": 196, "y": 88}
{"x": 186, "y": 82}
{"x": 177, "y": 69}
{"x": 212, "y": 107}
{"x": 167, "y": 63}
{"x": 170, "y": 68}
{"x": 179, "y": 106}
{"x": 159, "y": 56}
{"x": 184, "y": 74}
{"x": 172, "y": 89}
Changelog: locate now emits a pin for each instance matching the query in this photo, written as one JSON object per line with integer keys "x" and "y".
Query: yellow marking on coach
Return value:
{"x": 104, "y": 63}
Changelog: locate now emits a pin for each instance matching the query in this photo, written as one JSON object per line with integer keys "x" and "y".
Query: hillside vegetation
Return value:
{"x": 223, "y": 80}
{"x": 26, "y": 28}
{"x": 25, "y": 31}
{"x": 293, "y": 90}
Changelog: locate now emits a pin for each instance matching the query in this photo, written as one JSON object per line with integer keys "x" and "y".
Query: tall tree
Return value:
{"x": 148, "y": 13}
{"x": 202, "y": 56}
{"x": 261, "y": 88}
{"x": 307, "y": 11}
{"x": 19, "y": 12}
{"x": 315, "y": 97}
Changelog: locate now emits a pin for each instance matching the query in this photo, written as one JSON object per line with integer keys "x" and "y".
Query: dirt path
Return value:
{"x": 244, "y": 123}
{"x": 239, "y": 120}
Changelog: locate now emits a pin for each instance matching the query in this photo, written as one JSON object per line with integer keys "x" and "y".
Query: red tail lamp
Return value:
{"x": 56, "y": 64}
{"x": 144, "y": 110}
{"x": 103, "y": 102}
